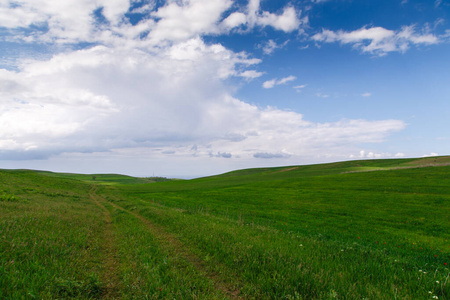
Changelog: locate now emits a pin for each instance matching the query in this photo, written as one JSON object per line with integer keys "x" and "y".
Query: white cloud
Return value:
{"x": 12, "y": 17}
{"x": 107, "y": 99}
{"x": 72, "y": 21}
{"x": 269, "y": 83}
{"x": 273, "y": 82}
{"x": 287, "y": 21}
{"x": 363, "y": 154}
{"x": 251, "y": 74}
{"x": 378, "y": 40}
{"x": 286, "y": 79}
{"x": 104, "y": 21}
{"x": 180, "y": 21}
{"x": 152, "y": 90}
{"x": 431, "y": 154}
{"x": 270, "y": 46}
{"x": 235, "y": 19}
{"x": 299, "y": 88}
{"x": 366, "y": 94}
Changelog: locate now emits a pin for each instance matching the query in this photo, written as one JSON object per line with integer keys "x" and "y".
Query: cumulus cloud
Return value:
{"x": 378, "y": 40}
{"x": 181, "y": 21}
{"x": 100, "y": 99}
{"x": 151, "y": 89}
{"x": 289, "y": 20}
{"x": 235, "y": 19}
{"x": 73, "y": 21}
{"x": 273, "y": 82}
{"x": 108, "y": 21}
{"x": 251, "y": 74}
{"x": 286, "y": 22}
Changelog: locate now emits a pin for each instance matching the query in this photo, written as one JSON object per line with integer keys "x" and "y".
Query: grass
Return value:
{"x": 48, "y": 240}
{"x": 107, "y": 179}
{"x": 376, "y": 229}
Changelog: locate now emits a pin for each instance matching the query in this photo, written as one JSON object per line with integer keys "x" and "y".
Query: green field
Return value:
{"x": 373, "y": 229}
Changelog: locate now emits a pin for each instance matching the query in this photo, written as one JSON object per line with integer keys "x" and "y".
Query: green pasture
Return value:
{"x": 375, "y": 229}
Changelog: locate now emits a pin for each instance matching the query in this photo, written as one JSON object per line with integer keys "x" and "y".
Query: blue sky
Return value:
{"x": 197, "y": 87}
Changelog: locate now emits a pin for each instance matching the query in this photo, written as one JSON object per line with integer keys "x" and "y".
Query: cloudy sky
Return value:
{"x": 186, "y": 88}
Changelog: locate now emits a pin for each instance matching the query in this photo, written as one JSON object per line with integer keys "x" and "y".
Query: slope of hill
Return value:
{"x": 106, "y": 178}
{"x": 377, "y": 229}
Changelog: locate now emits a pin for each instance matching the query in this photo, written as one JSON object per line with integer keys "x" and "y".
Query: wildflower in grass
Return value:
{"x": 437, "y": 281}
{"x": 445, "y": 264}
{"x": 435, "y": 297}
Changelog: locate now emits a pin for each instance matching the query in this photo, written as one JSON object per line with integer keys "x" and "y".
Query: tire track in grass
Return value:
{"x": 174, "y": 245}
{"x": 110, "y": 274}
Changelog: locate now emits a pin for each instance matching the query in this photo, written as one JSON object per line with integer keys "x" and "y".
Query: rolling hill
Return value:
{"x": 372, "y": 229}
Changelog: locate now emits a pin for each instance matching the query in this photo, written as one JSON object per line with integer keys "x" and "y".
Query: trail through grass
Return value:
{"x": 110, "y": 276}
{"x": 177, "y": 249}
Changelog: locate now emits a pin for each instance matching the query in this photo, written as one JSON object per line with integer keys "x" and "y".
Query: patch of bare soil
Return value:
{"x": 417, "y": 166}
{"x": 286, "y": 170}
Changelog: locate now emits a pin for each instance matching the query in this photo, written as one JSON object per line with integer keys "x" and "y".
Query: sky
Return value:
{"x": 190, "y": 88}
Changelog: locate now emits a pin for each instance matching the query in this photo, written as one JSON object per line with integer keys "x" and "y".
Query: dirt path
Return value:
{"x": 286, "y": 170}
{"x": 176, "y": 247}
{"x": 110, "y": 263}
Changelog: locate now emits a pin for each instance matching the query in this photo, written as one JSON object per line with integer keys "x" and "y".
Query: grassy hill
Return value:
{"x": 110, "y": 179}
{"x": 373, "y": 229}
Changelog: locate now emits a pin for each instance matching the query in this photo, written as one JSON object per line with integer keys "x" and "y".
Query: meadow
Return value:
{"x": 374, "y": 229}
